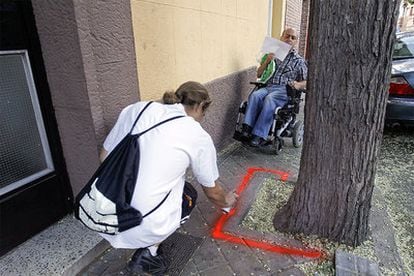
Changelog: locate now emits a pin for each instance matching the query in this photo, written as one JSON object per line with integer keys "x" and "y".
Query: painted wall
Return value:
{"x": 181, "y": 40}
{"x": 89, "y": 56}
{"x": 278, "y": 17}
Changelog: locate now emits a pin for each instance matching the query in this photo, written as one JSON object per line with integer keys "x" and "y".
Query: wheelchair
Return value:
{"x": 284, "y": 124}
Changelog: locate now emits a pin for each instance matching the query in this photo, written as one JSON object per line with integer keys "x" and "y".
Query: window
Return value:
{"x": 24, "y": 149}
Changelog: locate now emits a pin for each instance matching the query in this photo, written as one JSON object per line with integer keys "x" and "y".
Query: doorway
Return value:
{"x": 34, "y": 187}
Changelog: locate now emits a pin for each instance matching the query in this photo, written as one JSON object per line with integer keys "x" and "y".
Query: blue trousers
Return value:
{"x": 261, "y": 106}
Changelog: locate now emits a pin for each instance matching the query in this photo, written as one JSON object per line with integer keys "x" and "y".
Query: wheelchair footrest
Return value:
{"x": 238, "y": 136}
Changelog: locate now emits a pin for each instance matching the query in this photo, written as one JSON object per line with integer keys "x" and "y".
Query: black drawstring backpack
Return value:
{"x": 103, "y": 205}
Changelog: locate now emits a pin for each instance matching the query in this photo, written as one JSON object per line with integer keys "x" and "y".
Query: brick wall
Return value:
{"x": 293, "y": 14}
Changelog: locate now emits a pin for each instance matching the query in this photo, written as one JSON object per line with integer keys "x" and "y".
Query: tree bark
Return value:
{"x": 349, "y": 70}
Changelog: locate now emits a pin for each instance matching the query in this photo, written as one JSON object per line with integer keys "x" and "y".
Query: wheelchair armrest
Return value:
{"x": 258, "y": 84}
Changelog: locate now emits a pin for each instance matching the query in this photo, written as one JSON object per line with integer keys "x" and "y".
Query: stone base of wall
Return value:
{"x": 227, "y": 93}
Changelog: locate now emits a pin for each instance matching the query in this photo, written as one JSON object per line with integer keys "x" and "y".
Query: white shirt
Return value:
{"x": 165, "y": 153}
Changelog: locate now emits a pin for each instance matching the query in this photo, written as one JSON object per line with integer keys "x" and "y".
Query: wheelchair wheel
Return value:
{"x": 297, "y": 134}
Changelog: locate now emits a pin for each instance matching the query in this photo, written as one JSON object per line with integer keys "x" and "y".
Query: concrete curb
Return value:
{"x": 88, "y": 258}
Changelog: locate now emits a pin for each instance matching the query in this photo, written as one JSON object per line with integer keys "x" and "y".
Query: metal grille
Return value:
{"x": 179, "y": 248}
{"x": 24, "y": 152}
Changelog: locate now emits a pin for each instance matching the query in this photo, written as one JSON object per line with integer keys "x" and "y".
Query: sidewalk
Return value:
{"x": 210, "y": 256}
{"x": 68, "y": 248}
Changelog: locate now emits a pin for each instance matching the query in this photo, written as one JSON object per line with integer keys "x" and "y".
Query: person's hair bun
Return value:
{"x": 170, "y": 97}
{"x": 189, "y": 93}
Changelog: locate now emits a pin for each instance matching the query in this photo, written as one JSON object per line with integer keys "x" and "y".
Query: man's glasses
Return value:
{"x": 293, "y": 37}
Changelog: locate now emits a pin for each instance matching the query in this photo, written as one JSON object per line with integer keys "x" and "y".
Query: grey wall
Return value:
{"x": 227, "y": 93}
{"x": 88, "y": 50}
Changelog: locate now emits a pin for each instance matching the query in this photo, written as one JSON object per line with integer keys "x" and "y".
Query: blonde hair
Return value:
{"x": 189, "y": 93}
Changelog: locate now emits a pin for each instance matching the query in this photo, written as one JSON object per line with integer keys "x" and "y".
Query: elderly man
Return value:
{"x": 263, "y": 102}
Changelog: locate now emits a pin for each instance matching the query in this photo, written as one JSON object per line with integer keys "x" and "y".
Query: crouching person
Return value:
{"x": 166, "y": 152}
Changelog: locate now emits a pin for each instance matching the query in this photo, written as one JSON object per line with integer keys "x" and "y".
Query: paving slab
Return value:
{"x": 383, "y": 233}
{"x": 208, "y": 256}
{"x": 242, "y": 259}
{"x": 62, "y": 249}
{"x": 291, "y": 272}
{"x": 217, "y": 270}
{"x": 350, "y": 264}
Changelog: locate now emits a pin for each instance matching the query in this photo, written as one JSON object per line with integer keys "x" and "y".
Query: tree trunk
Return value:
{"x": 349, "y": 69}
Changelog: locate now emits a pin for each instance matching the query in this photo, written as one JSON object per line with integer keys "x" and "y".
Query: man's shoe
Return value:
{"x": 257, "y": 141}
{"x": 246, "y": 131}
{"x": 143, "y": 261}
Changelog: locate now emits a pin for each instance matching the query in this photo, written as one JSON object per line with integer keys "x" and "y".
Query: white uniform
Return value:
{"x": 166, "y": 152}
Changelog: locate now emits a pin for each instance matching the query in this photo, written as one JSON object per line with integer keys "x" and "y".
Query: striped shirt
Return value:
{"x": 293, "y": 68}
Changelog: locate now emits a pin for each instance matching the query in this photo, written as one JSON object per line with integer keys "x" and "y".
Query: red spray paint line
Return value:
{"x": 217, "y": 232}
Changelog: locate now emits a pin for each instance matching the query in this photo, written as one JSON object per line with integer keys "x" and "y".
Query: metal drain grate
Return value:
{"x": 178, "y": 248}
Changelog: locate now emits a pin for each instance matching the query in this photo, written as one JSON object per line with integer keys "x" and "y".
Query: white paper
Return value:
{"x": 279, "y": 48}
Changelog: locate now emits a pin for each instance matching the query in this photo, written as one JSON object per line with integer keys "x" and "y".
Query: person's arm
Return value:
{"x": 264, "y": 64}
{"x": 302, "y": 75}
{"x": 218, "y": 196}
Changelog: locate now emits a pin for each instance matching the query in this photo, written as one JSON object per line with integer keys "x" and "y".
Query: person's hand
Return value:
{"x": 294, "y": 85}
{"x": 231, "y": 199}
{"x": 298, "y": 85}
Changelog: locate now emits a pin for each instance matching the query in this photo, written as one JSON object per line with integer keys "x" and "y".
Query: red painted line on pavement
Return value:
{"x": 218, "y": 233}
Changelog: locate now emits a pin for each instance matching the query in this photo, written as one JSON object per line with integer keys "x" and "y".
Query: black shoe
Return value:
{"x": 246, "y": 133}
{"x": 257, "y": 141}
{"x": 143, "y": 261}
{"x": 246, "y": 130}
